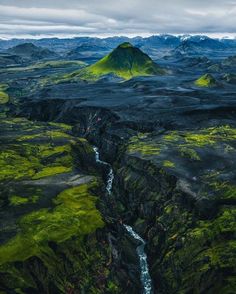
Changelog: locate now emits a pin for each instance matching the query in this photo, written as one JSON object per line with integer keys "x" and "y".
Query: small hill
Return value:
{"x": 126, "y": 61}
{"x": 230, "y": 78}
{"x": 9, "y": 60}
{"x": 206, "y": 80}
{"x": 88, "y": 51}
{"x": 30, "y": 51}
{"x": 229, "y": 61}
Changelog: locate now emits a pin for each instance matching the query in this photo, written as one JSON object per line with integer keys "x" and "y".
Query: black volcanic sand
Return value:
{"x": 173, "y": 151}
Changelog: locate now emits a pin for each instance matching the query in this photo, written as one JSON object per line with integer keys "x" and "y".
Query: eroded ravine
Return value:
{"x": 162, "y": 187}
{"x": 145, "y": 277}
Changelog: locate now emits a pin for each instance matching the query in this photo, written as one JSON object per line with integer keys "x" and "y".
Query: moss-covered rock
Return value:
{"x": 181, "y": 183}
{"x": 50, "y": 240}
{"x": 4, "y": 97}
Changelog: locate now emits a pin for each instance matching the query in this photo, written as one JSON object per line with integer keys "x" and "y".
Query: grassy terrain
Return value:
{"x": 187, "y": 153}
{"x": 206, "y": 80}
{"x": 197, "y": 205}
{"x": 56, "y": 64}
{"x": 4, "y": 97}
{"x": 49, "y": 243}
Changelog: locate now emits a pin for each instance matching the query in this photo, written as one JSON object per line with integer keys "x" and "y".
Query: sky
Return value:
{"x": 68, "y": 18}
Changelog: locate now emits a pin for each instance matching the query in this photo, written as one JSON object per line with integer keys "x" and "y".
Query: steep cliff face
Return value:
{"x": 177, "y": 189}
{"x": 53, "y": 237}
{"x": 183, "y": 205}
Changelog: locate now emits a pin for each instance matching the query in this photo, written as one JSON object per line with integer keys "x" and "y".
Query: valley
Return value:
{"x": 118, "y": 165}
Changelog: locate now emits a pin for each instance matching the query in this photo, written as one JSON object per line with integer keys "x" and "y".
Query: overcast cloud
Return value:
{"x": 60, "y": 18}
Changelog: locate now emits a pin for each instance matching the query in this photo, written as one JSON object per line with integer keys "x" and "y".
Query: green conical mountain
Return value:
{"x": 206, "y": 80}
{"x": 126, "y": 61}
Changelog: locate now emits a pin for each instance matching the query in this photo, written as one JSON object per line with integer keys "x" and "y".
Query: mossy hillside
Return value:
{"x": 197, "y": 154}
{"x": 74, "y": 214}
{"x": 19, "y": 200}
{"x": 206, "y": 80}
{"x": 34, "y": 151}
{"x": 73, "y": 262}
{"x": 199, "y": 254}
{"x": 188, "y": 144}
{"x": 137, "y": 144}
{"x": 4, "y": 97}
{"x": 49, "y": 243}
{"x": 194, "y": 237}
{"x": 125, "y": 61}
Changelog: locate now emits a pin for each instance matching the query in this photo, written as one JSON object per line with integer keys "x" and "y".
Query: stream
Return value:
{"x": 110, "y": 176}
{"x": 145, "y": 276}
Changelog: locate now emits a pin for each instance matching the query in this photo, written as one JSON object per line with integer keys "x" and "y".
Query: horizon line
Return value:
{"x": 104, "y": 36}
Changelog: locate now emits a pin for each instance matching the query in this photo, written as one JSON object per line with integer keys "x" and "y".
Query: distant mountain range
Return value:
{"x": 160, "y": 41}
{"x": 88, "y": 51}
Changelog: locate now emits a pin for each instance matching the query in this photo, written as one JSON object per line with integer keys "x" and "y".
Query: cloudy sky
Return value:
{"x": 21, "y": 18}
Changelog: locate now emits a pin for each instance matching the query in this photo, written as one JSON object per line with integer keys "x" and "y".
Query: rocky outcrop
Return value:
{"x": 182, "y": 207}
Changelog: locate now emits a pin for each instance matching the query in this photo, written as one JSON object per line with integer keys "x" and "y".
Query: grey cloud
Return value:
{"x": 101, "y": 17}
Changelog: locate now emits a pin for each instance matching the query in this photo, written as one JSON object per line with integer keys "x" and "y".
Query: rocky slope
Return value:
{"x": 53, "y": 238}
{"x": 30, "y": 52}
{"x": 176, "y": 188}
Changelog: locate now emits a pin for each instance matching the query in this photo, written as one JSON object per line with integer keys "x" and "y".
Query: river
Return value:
{"x": 145, "y": 276}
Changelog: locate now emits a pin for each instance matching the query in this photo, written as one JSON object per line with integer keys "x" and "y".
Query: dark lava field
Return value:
{"x": 118, "y": 165}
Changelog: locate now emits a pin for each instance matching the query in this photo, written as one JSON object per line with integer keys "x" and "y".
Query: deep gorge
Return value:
{"x": 181, "y": 227}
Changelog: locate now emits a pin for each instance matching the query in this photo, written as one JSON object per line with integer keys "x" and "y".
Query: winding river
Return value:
{"x": 145, "y": 276}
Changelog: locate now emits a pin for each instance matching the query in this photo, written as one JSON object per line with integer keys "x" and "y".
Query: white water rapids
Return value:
{"x": 145, "y": 276}
{"x": 110, "y": 176}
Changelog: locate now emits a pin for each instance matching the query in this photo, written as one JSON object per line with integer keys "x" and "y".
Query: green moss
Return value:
{"x": 15, "y": 166}
{"x": 138, "y": 144}
{"x": 206, "y": 80}
{"x": 49, "y": 246}
{"x": 50, "y": 171}
{"x": 34, "y": 153}
{"x": 49, "y": 150}
{"x": 26, "y": 162}
{"x": 61, "y": 125}
{"x": 188, "y": 152}
{"x": 75, "y": 214}
{"x": 4, "y": 98}
{"x": 224, "y": 189}
{"x": 173, "y": 136}
{"x": 221, "y": 253}
{"x": 53, "y": 134}
{"x": 184, "y": 142}
{"x": 112, "y": 287}
{"x": 17, "y": 200}
{"x": 203, "y": 137}
{"x": 199, "y": 252}
{"x": 169, "y": 164}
